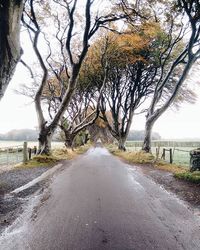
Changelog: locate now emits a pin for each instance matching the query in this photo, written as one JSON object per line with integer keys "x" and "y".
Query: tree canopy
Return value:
{"x": 91, "y": 64}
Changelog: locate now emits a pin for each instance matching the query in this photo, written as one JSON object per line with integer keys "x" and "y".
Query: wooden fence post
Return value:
{"x": 35, "y": 150}
{"x": 29, "y": 153}
{"x": 157, "y": 152}
{"x": 163, "y": 155}
{"x": 25, "y": 152}
{"x": 170, "y": 156}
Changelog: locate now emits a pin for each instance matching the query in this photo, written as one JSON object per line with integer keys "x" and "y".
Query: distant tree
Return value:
{"x": 138, "y": 135}
{"x": 99, "y": 130}
{"x": 10, "y": 50}
{"x": 20, "y": 135}
{"x": 81, "y": 112}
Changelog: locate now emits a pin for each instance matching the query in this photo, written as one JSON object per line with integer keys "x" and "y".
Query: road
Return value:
{"x": 100, "y": 202}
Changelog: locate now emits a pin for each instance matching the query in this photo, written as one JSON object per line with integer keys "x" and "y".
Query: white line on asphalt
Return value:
{"x": 36, "y": 180}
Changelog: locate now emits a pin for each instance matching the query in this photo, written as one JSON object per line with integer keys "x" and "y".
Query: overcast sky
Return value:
{"x": 18, "y": 112}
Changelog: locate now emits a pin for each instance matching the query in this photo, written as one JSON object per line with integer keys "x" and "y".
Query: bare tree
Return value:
{"x": 10, "y": 50}
{"x": 126, "y": 90}
{"x": 82, "y": 111}
{"x": 130, "y": 79}
{"x": 181, "y": 63}
{"x": 72, "y": 65}
{"x": 83, "y": 108}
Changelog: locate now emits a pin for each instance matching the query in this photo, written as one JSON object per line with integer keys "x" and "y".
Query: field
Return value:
{"x": 31, "y": 144}
{"x": 11, "y": 151}
{"x": 180, "y": 149}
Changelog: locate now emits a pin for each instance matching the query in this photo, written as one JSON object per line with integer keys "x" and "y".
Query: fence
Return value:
{"x": 176, "y": 152}
{"x": 173, "y": 144}
{"x": 174, "y": 155}
{"x": 16, "y": 154}
{"x": 182, "y": 156}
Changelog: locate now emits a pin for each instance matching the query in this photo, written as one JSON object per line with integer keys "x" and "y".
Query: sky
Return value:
{"x": 17, "y": 111}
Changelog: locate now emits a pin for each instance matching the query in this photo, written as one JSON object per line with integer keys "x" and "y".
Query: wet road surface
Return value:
{"x": 101, "y": 203}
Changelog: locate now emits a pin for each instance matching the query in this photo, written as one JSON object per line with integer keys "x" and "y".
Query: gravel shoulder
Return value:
{"x": 11, "y": 205}
{"x": 14, "y": 177}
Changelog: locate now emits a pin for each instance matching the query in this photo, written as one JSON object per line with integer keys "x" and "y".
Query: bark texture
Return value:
{"x": 45, "y": 138}
{"x": 69, "y": 139}
{"x": 10, "y": 50}
{"x": 147, "y": 137}
{"x": 121, "y": 143}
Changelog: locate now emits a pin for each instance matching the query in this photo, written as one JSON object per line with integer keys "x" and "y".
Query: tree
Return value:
{"x": 75, "y": 54}
{"x": 82, "y": 111}
{"x": 130, "y": 74}
{"x": 84, "y": 107}
{"x": 10, "y": 50}
{"x": 181, "y": 63}
{"x": 99, "y": 130}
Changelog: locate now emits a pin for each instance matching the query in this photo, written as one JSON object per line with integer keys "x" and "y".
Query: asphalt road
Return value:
{"x": 101, "y": 203}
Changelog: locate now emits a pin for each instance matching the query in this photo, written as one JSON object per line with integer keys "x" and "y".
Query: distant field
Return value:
{"x": 180, "y": 149}
{"x": 30, "y": 144}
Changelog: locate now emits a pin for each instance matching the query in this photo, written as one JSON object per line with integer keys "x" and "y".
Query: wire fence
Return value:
{"x": 16, "y": 154}
{"x": 178, "y": 156}
{"x": 11, "y": 155}
{"x": 172, "y": 144}
{"x": 177, "y": 152}
{"x": 182, "y": 156}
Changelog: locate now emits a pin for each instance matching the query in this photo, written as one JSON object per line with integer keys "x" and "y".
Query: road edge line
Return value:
{"x": 36, "y": 180}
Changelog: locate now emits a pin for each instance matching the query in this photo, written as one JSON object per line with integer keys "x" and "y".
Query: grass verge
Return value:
{"x": 140, "y": 157}
{"x": 56, "y": 156}
{"x": 134, "y": 157}
{"x": 190, "y": 177}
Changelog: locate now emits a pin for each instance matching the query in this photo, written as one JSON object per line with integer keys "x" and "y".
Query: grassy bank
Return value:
{"x": 56, "y": 156}
{"x": 147, "y": 159}
{"x": 190, "y": 177}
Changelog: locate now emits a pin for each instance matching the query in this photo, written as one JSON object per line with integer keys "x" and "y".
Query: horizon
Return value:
{"x": 162, "y": 138}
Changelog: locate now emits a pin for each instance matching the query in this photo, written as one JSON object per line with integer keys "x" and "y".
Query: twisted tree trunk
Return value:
{"x": 69, "y": 141}
{"x": 121, "y": 144}
{"x": 45, "y": 138}
{"x": 44, "y": 141}
{"x": 147, "y": 137}
{"x": 10, "y": 50}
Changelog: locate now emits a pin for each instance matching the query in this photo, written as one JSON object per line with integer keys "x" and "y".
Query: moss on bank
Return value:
{"x": 190, "y": 177}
